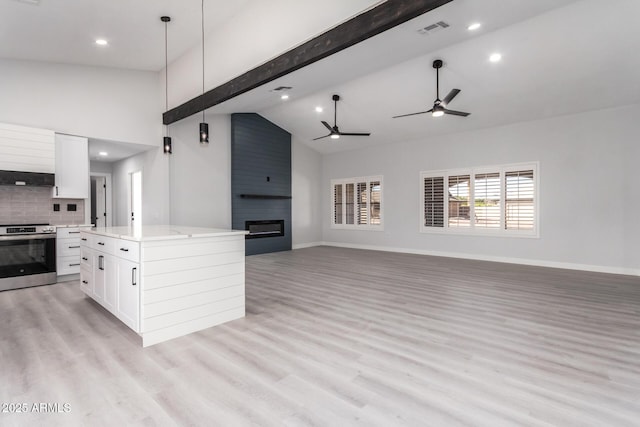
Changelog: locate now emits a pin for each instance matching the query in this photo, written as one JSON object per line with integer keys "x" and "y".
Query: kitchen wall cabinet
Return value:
{"x": 71, "y": 167}
{"x": 26, "y": 149}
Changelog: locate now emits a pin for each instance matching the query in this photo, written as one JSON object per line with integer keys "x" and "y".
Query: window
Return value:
{"x": 357, "y": 203}
{"x": 499, "y": 200}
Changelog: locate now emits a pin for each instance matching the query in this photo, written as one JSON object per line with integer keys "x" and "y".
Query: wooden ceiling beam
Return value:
{"x": 366, "y": 25}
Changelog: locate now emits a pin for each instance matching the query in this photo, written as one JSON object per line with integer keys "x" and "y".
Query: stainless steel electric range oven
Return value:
{"x": 27, "y": 255}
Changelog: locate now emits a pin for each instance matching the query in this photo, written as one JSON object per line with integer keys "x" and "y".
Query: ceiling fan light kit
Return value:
{"x": 334, "y": 131}
{"x": 439, "y": 108}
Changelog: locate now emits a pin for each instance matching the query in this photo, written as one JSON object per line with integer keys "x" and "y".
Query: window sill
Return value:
{"x": 482, "y": 233}
{"x": 358, "y": 227}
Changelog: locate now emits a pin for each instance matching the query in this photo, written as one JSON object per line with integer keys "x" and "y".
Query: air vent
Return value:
{"x": 433, "y": 28}
{"x": 281, "y": 88}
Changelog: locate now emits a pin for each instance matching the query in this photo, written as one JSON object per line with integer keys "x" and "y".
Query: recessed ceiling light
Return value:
{"x": 284, "y": 97}
{"x": 103, "y": 153}
{"x": 495, "y": 57}
{"x": 102, "y": 42}
{"x": 474, "y": 26}
{"x": 319, "y": 109}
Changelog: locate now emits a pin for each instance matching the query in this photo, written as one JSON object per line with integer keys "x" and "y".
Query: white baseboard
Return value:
{"x": 308, "y": 245}
{"x": 522, "y": 261}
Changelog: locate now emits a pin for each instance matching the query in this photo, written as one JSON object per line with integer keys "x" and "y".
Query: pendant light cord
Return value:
{"x": 166, "y": 69}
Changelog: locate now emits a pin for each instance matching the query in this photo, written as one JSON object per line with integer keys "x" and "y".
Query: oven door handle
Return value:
{"x": 28, "y": 237}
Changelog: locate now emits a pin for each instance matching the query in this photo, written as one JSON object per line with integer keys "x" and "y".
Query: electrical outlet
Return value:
{"x": 56, "y": 207}
{"x": 71, "y": 207}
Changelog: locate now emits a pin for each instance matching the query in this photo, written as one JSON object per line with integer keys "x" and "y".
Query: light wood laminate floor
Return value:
{"x": 339, "y": 337}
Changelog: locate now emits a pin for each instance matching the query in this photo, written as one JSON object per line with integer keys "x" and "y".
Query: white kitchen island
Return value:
{"x": 165, "y": 281}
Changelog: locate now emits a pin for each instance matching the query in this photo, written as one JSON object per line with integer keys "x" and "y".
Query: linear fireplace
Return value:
{"x": 264, "y": 228}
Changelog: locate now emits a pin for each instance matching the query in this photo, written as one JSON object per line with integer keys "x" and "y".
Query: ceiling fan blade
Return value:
{"x": 354, "y": 134}
{"x": 456, "y": 113}
{"x": 447, "y": 99}
{"x": 413, "y": 114}
{"x": 327, "y": 126}
{"x": 321, "y": 137}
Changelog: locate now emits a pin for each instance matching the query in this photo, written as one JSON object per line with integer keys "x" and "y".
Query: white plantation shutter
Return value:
{"x": 337, "y": 204}
{"x": 496, "y": 200}
{"x": 459, "y": 209}
{"x": 375, "y": 202}
{"x": 357, "y": 203}
{"x": 487, "y": 195}
{"x": 361, "y": 200}
{"x": 519, "y": 203}
{"x": 433, "y": 201}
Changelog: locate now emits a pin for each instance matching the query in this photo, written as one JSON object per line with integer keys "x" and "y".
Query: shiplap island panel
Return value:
{"x": 165, "y": 281}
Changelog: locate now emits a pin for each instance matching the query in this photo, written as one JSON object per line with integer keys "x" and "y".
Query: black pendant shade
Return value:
{"x": 204, "y": 133}
{"x": 167, "y": 145}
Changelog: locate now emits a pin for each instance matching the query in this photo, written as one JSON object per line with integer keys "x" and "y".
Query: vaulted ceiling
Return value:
{"x": 559, "y": 57}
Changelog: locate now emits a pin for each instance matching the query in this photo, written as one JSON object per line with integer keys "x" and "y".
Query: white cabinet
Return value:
{"x": 72, "y": 167}
{"x": 26, "y": 149}
{"x": 110, "y": 272}
{"x": 129, "y": 293}
{"x": 68, "y": 250}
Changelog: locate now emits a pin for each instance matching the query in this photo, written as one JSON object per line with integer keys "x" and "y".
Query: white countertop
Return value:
{"x": 162, "y": 232}
{"x": 71, "y": 225}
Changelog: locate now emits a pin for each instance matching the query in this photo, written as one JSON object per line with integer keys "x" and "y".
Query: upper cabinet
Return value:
{"x": 27, "y": 149}
{"x": 72, "y": 167}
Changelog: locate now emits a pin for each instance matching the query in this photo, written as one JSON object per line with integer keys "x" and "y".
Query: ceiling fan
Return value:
{"x": 335, "y": 133}
{"x": 440, "y": 106}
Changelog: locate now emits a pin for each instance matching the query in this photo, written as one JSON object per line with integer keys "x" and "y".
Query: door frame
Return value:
{"x": 109, "y": 202}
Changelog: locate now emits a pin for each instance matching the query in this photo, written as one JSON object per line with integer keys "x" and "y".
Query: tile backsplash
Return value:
{"x": 34, "y": 205}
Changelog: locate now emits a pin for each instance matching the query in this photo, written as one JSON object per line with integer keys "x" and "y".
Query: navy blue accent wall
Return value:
{"x": 260, "y": 165}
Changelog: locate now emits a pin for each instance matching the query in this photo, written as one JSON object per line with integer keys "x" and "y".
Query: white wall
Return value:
{"x": 100, "y": 167}
{"x": 103, "y": 103}
{"x": 588, "y": 192}
{"x": 201, "y": 176}
{"x": 155, "y": 187}
{"x": 306, "y": 185}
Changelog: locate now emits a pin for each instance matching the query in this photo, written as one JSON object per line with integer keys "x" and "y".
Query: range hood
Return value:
{"x": 27, "y": 178}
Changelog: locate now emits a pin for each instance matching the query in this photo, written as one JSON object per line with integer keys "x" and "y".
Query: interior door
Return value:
{"x": 135, "y": 220}
{"x": 101, "y": 201}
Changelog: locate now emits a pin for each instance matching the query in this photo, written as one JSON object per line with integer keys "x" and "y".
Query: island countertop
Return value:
{"x": 162, "y": 232}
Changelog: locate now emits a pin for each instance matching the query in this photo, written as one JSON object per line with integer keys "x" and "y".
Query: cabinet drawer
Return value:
{"x": 68, "y": 265}
{"x": 128, "y": 250}
{"x": 69, "y": 247}
{"x": 86, "y": 258}
{"x": 104, "y": 244}
{"x": 68, "y": 232}
{"x": 86, "y": 239}
{"x": 86, "y": 280}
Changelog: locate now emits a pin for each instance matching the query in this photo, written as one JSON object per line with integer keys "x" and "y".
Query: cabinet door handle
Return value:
{"x": 133, "y": 276}
{"x": 124, "y": 249}
{"x": 101, "y": 243}
{"x": 56, "y": 190}
{"x": 100, "y": 262}
{"x": 74, "y": 265}
{"x": 74, "y": 247}
{"x": 84, "y": 239}
{"x": 74, "y": 232}
{"x": 85, "y": 282}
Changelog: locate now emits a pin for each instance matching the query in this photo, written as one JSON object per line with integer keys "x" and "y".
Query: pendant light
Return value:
{"x": 166, "y": 141}
{"x": 204, "y": 127}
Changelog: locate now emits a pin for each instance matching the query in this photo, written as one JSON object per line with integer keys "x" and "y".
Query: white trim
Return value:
{"x": 472, "y": 171}
{"x": 508, "y": 260}
{"x": 306, "y": 245}
{"x": 355, "y": 181}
